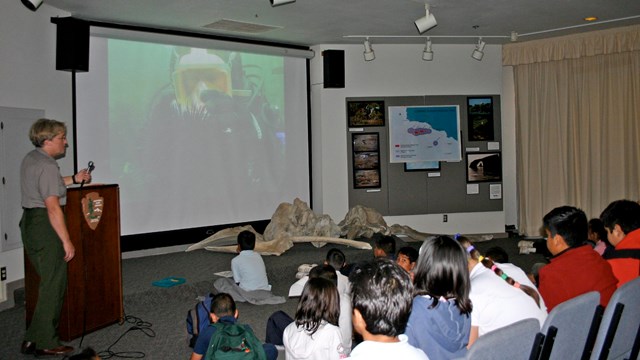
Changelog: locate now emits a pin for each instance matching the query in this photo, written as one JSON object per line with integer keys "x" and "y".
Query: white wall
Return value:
{"x": 28, "y": 79}
{"x": 399, "y": 70}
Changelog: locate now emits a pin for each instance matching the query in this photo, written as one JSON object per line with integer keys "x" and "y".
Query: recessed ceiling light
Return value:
{"x": 590, "y": 18}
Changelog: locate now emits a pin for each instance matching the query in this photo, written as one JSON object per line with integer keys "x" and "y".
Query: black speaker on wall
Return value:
{"x": 333, "y": 67}
{"x": 72, "y": 44}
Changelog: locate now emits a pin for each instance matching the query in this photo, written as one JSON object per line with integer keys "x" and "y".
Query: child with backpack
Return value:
{"x": 225, "y": 338}
{"x": 315, "y": 335}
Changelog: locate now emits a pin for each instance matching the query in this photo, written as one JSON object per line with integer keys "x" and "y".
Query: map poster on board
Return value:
{"x": 424, "y": 133}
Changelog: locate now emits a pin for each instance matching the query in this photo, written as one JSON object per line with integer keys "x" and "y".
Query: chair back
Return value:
{"x": 566, "y": 329}
{"x": 512, "y": 342}
{"x": 620, "y": 325}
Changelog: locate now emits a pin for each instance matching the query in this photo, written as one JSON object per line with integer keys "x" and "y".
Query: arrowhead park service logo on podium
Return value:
{"x": 92, "y": 205}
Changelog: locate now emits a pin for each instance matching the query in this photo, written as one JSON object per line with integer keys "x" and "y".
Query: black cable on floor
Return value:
{"x": 138, "y": 325}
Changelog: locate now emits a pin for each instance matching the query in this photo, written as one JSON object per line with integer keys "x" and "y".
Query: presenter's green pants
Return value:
{"x": 45, "y": 252}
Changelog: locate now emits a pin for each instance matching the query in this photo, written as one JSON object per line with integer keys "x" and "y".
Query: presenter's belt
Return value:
{"x": 39, "y": 209}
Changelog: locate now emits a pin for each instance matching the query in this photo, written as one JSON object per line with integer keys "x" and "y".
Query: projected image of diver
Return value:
{"x": 216, "y": 121}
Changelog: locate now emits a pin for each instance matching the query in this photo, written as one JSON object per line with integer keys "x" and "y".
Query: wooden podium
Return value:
{"x": 93, "y": 298}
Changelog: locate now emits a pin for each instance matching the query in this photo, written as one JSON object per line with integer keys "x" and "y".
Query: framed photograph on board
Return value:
{"x": 366, "y": 160}
{"x": 365, "y": 113}
{"x": 366, "y": 179}
{"x": 480, "y": 118}
{"x": 365, "y": 142}
{"x": 422, "y": 166}
{"x": 484, "y": 167}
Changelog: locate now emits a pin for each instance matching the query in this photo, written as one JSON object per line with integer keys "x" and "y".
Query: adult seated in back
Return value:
{"x": 575, "y": 268}
{"x": 622, "y": 221}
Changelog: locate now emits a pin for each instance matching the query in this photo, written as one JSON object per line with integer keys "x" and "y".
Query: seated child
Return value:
{"x": 501, "y": 259}
{"x": 598, "y": 236}
{"x": 249, "y": 283}
{"x": 384, "y": 247}
{"x": 382, "y": 294}
{"x": 498, "y": 300}
{"x": 279, "y": 320}
{"x": 248, "y": 267}
{"x": 336, "y": 259}
{"x": 440, "y": 321}
{"x": 223, "y": 310}
{"x": 315, "y": 334}
{"x": 407, "y": 257}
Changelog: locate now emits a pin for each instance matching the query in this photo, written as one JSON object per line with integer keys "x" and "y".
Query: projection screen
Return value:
{"x": 194, "y": 135}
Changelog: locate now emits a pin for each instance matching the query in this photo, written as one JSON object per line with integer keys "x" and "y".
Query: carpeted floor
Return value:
{"x": 155, "y": 326}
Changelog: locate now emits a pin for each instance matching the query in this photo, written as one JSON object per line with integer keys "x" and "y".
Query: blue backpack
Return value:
{"x": 198, "y": 318}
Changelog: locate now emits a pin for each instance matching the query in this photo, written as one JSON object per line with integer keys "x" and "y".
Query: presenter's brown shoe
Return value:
{"x": 60, "y": 350}
{"x": 28, "y": 347}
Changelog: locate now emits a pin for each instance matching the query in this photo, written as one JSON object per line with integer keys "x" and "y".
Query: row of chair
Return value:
{"x": 576, "y": 329}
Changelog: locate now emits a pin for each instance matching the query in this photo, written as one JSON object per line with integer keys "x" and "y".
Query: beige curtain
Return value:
{"x": 577, "y": 122}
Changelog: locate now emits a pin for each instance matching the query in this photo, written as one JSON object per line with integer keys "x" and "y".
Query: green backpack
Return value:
{"x": 233, "y": 341}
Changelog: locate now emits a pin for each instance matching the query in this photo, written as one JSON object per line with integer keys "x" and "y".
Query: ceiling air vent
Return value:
{"x": 240, "y": 26}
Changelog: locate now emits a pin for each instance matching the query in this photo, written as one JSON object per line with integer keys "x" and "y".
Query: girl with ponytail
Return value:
{"x": 489, "y": 264}
{"x": 497, "y": 299}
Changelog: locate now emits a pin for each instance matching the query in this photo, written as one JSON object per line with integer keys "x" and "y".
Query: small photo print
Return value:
{"x": 483, "y": 167}
{"x": 366, "y": 160}
{"x": 365, "y": 142}
{"x": 480, "y": 118}
{"x": 367, "y": 179}
{"x": 365, "y": 113}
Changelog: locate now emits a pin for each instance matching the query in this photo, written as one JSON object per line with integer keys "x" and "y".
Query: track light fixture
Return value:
{"x": 427, "y": 54}
{"x": 478, "y": 52}
{"x": 426, "y": 22}
{"x": 368, "y": 51}
{"x": 32, "y": 5}
{"x": 274, "y": 2}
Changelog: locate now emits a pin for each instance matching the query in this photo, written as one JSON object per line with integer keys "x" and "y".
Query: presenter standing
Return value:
{"x": 44, "y": 232}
